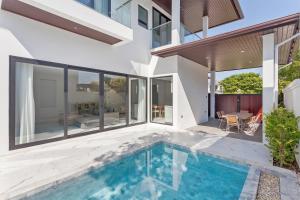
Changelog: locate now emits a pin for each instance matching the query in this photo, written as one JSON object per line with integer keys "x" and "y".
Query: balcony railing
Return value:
{"x": 162, "y": 35}
{"x": 118, "y": 10}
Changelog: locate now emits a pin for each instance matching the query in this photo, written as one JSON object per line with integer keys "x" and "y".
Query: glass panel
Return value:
{"x": 39, "y": 109}
{"x": 161, "y": 35}
{"x": 114, "y": 100}
{"x": 162, "y": 100}
{"x": 143, "y": 17}
{"x": 118, "y": 10}
{"x": 137, "y": 101}
{"x": 83, "y": 102}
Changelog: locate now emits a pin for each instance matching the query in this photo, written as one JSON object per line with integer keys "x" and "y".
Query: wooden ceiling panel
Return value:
{"x": 241, "y": 48}
{"x": 192, "y": 11}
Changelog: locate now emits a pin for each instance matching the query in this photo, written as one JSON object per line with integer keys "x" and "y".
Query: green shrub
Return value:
{"x": 283, "y": 135}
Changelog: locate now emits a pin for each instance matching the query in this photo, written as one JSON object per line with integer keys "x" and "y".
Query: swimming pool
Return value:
{"x": 160, "y": 172}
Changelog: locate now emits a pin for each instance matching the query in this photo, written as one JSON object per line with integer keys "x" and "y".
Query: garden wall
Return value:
{"x": 291, "y": 102}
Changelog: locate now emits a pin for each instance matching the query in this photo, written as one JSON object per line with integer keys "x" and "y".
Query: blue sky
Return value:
{"x": 257, "y": 11}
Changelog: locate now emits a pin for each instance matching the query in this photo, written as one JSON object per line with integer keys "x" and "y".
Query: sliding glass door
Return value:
{"x": 162, "y": 100}
{"x": 52, "y": 101}
{"x": 138, "y": 102}
{"x": 115, "y": 100}
{"x": 39, "y": 103}
{"x": 83, "y": 101}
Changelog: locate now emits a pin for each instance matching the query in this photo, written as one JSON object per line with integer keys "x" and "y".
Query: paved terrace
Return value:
{"x": 23, "y": 170}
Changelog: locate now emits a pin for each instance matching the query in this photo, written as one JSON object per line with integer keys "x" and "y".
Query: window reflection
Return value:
{"x": 137, "y": 87}
{"x": 83, "y": 101}
{"x": 39, "y": 97}
{"x": 114, "y": 101}
{"x": 162, "y": 100}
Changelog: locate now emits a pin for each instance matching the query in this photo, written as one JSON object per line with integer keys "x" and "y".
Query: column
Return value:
{"x": 212, "y": 93}
{"x": 204, "y": 26}
{"x": 268, "y": 74}
{"x": 176, "y": 22}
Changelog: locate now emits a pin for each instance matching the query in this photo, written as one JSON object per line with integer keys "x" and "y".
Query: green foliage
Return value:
{"x": 246, "y": 83}
{"x": 283, "y": 135}
{"x": 288, "y": 74}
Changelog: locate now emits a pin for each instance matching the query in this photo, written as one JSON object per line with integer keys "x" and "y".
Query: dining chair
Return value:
{"x": 221, "y": 118}
{"x": 232, "y": 121}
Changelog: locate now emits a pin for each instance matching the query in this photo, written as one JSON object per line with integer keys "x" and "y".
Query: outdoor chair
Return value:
{"x": 232, "y": 121}
{"x": 221, "y": 118}
{"x": 253, "y": 124}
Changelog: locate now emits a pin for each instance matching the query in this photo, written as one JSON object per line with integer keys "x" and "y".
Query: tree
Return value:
{"x": 288, "y": 74}
{"x": 246, "y": 83}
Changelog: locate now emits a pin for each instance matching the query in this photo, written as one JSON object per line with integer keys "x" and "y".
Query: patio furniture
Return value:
{"x": 221, "y": 118}
{"x": 155, "y": 111}
{"x": 253, "y": 124}
{"x": 232, "y": 121}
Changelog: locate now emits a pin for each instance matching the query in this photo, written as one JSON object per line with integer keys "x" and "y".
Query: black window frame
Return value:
{"x": 140, "y": 21}
{"x": 12, "y": 101}
{"x": 151, "y": 103}
{"x": 160, "y": 17}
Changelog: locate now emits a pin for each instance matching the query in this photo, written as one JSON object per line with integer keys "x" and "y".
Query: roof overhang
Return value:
{"x": 219, "y": 12}
{"x": 241, "y": 48}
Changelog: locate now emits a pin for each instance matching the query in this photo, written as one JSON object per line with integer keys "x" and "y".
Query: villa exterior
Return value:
{"x": 76, "y": 67}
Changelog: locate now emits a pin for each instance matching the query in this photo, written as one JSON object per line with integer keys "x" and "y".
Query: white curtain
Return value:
{"x": 141, "y": 101}
{"x": 25, "y": 106}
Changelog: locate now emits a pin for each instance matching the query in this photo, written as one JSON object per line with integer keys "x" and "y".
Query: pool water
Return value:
{"x": 160, "y": 172}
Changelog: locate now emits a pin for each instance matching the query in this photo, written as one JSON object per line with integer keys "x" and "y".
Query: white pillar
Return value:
{"x": 212, "y": 93}
{"x": 204, "y": 26}
{"x": 176, "y": 22}
{"x": 268, "y": 75}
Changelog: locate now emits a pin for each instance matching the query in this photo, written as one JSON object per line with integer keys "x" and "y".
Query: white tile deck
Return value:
{"x": 26, "y": 169}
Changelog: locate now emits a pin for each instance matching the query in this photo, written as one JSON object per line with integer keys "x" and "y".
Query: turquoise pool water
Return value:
{"x": 160, "y": 172}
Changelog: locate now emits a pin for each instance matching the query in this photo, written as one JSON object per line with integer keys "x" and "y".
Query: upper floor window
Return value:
{"x": 89, "y": 3}
{"x": 143, "y": 17}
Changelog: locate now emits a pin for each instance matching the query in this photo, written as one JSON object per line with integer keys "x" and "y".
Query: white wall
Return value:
{"x": 20, "y": 36}
{"x": 291, "y": 102}
{"x": 23, "y": 37}
{"x": 192, "y": 93}
{"x": 190, "y": 103}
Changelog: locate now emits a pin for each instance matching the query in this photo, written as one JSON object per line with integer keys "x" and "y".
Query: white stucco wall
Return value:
{"x": 190, "y": 103}
{"x": 23, "y": 37}
{"x": 291, "y": 102}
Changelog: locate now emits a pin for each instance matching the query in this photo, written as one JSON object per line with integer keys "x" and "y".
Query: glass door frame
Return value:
{"x": 151, "y": 95}
{"x": 12, "y": 100}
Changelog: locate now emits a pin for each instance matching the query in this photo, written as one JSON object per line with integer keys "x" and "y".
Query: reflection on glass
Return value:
{"x": 137, "y": 100}
{"x": 83, "y": 105}
{"x": 39, "y": 103}
{"x": 118, "y": 10}
{"x": 162, "y": 100}
{"x": 114, "y": 101}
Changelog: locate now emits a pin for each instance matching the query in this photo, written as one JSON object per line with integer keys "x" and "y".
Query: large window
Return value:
{"x": 115, "y": 106}
{"x": 161, "y": 32}
{"x": 39, "y": 102}
{"x": 83, "y": 101}
{"x": 143, "y": 17}
{"x": 138, "y": 103}
{"x": 162, "y": 100}
{"x": 51, "y": 101}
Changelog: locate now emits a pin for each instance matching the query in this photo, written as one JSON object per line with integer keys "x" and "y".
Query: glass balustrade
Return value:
{"x": 118, "y": 10}
{"x": 161, "y": 35}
